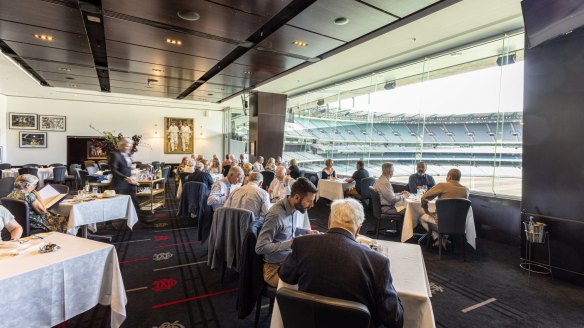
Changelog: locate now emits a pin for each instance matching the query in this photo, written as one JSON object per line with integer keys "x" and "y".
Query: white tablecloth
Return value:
{"x": 43, "y": 290}
{"x": 409, "y": 279}
{"x": 414, "y": 212}
{"x": 333, "y": 189}
{"x": 179, "y": 188}
{"x": 99, "y": 210}
{"x": 42, "y": 173}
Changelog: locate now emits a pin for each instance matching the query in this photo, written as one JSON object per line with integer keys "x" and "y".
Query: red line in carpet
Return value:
{"x": 135, "y": 260}
{"x": 194, "y": 298}
{"x": 188, "y": 242}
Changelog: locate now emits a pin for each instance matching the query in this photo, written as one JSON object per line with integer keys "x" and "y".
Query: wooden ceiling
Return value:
{"x": 121, "y": 45}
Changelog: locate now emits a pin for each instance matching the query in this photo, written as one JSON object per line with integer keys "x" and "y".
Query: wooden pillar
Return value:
{"x": 267, "y": 119}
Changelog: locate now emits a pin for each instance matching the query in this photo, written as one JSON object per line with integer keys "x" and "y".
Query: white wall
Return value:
{"x": 3, "y": 127}
{"x": 128, "y": 119}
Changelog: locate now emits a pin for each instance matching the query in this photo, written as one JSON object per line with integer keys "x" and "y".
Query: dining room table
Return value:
{"x": 333, "y": 189}
{"x": 86, "y": 212}
{"x": 410, "y": 280}
{"x": 414, "y": 211}
{"x": 45, "y": 289}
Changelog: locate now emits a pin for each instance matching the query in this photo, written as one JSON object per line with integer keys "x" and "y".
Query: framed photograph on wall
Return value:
{"x": 52, "y": 123}
{"x": 33, "y": 139}
{"x": 178, "y": 135}
{"x": 20, "y": 121}
{"x": 94, "y": 151}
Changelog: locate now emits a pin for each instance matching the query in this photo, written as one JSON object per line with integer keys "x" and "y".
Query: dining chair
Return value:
{"x": 103, "y": 166}
{"x": 451, "y": 214}
{"x": 62, "y": 189}
{"x": 268, "y": 178}
{"x": 28, "y": 170}
{"x": 91, "y": 170}
{"x": 379, "y": 215}
{"x": 364, "y": 195}
{"x": 312, "y": 177}
{"x": 31, "y": 165}
{"x": 5, "y": 166}
{"x": 59, "y": 174}
{"x": 156, "y": 165}
{"x": 307, "y": 310}
{"x": 81, "y": 178}
{"x": 21, "y": 212}
{"x": 56, "y": 164}
{"x": 6, "y": 186}
{"x": 88, "y": 163}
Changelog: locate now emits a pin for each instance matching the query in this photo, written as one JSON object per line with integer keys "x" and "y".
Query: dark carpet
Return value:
{"x": 169, "y": 285}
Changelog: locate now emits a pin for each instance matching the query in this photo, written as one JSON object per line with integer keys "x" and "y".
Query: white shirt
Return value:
{"x": 6, "y": 216}
{"x": 185, "y": 131}
{"x": 173, "y": 130}
{"x": 258, "y": 167}
{"x": 252, "y": 198}
{"x": 385, "y": 189}
{"x": 219, "y": 192}
{"x": 280, "y": 189}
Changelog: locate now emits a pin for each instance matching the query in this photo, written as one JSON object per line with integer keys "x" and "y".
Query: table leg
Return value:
{"x": 84, "y": 231}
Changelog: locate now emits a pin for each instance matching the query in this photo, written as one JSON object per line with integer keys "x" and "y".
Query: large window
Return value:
{"x": 460, "y": 109}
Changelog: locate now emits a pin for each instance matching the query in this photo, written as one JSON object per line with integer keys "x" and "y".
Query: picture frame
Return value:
{"x": 52, "y": 123}
{"x": 179, "y": 135}
{"x": 94, "y": 151}
{"x": 32, "y": 139}
{"x": 22, "y": 121}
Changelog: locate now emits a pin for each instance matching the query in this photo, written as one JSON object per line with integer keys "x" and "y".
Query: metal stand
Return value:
{"x": 535, "y": 267}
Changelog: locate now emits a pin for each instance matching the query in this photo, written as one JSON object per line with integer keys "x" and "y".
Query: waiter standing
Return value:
{"x": 121, "y": 166}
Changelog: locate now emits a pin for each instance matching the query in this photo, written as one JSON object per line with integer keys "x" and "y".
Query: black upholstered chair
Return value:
{"x": 451, "y": 214}
{"x": 56, "y": 164}
{"x": 59, "y": 175}
{"x": 21, "y": 212}
{"x": 365, "y": 193}
{"x": 81, "y": 177}
{"x": 31, "y": 165}
{"x": 28, "y": 170}
{"x": 306, "y": 310}
{"x": 312, "y": 177}
{"x": 6, "y": 186}
{"x": 165, "y": 173}
{"x": 225, "y": 170}
{"x": 268, "y": 178}
{"x": 378, "y": 215}
{"x": 62, "y": 189}
{"x": 156, "y": 165}
{"x": 5, "y": 166}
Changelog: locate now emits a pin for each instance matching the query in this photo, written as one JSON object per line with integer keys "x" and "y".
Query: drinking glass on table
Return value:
{"x": 94, "y": 191}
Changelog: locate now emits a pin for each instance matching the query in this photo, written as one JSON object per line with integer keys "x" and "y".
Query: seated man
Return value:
{"x": 7, "y": 221}
{"x": 251, "y": 197}
{"x": 383, "y": 186}
{"x": 357, "y": 176}
{"x": 258, "y": 166}
{"x": 222, "y": 187}
{"x": 445, "y": 190}
{"x": 280, "y": 186}
{"x": 275, "y": 237}
{"x": 200, "y": 176}
{"x": 420, "y": 179}
{"x": 334, "y": 264}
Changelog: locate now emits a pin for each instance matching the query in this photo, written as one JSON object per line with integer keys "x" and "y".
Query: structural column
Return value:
{"x": 267, "y": 119}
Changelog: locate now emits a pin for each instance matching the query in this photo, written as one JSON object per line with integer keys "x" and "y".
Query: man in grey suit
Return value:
{"x": 336, "y": 265}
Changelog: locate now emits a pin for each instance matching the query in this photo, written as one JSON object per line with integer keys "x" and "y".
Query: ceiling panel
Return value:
{"x": 154, "y": 69}
{"x": 257, "y": 7}
{"x": 44, "y": 66}
{"x": 320, "y": 16}
{"x": 42, "y": 13}
{"x": 126, "y": 31}
{"x": 143, "y": 78}
{"x": 157, "y": 56}
{"x": 74, "y": 85}
{"x": 214, "y": 19}
{"x": 140, "y": 92}
{"x": 46, "y": 53}
{"x": 399, "y": 7}
{"x": 229, "y": 80}
{"x": 267, "y": 61}
{"x": 25, "y": 33}
{"x": 283, "y": 40}
{"x": 69, "y": 78}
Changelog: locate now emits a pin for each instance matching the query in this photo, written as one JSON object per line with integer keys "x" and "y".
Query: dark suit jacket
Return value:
{"x": 200, "y": 176}
{"x": 120, "y": 171}
{"x": 335, "y": 265}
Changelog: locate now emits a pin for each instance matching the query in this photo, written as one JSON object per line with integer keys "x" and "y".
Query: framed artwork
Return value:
{"x": 94, "y": 151}
{"x": 33, "y": 139}
{"x": 21, "y": 121}
{"x": 52, "y": 123}
{"x": 178, "y": 135}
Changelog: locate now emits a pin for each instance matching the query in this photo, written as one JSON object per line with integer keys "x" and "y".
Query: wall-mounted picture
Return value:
{"x": 178, "y": 135}
{"x": 22, "y": 121}
{"x": 52, "y": 123}
{"x": 33, "y": 139}
{"x": 94, "y": 151}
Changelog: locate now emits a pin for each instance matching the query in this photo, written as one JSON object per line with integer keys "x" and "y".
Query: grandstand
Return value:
{"x": 480, "y": 145}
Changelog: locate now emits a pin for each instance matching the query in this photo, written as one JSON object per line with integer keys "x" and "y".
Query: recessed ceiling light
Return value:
{"x": 74, "y": 85}
{"x": 158, "y": 70}
{"x": 247, "y": 72}
{"x": 173, "y": 41}
{"x": 69, "y": 78}
{"x": 341, "y": 20}
{"x": 44, "y": 37}
{"x": 300, "y": 43}
{"x": 246, "y": 44}
{"x": 94, "y": 19}
{"x": 66, "y": 69}
{"x": 188, "y": 15}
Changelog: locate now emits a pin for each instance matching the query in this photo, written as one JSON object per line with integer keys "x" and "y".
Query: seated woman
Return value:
{"x": 328, "y": 170}
{"x": 293, "y": 170}
{"x": 40, "y": 218}
{"x": 7, "y": 221}
{"x": 247, "y": 169}
{"x": 270, "y": 165}
{"x": 184, "y": 167}
{"x": 215, "y": 167}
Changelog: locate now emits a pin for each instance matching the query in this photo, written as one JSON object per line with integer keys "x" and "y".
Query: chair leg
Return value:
{"x": 377, "y": 229}
{"x": 257, "y": 314}
{"x": 464, "y": 248}
{"x": 439, "y": 246}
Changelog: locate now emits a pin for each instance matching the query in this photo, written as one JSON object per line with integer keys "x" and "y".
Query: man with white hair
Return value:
{"x": 199, "y": 175}
{"x": 281, "y": 185}
{"x": 251, "y": 197}
{"x": 335, "y": 265}
{"x": 223, "y": 187}
{"x": 383, "y": 186}
{"x": 258, "y": 166}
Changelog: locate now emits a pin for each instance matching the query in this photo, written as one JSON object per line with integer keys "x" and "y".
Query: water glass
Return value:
{"x": 94, "y": 191}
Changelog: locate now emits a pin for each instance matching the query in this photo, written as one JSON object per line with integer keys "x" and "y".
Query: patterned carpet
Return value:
{"x": 169, "y": 285}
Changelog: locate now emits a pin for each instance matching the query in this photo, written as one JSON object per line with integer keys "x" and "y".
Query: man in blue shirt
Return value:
{"x": 419, "y": 179}
{"x": 275, "y": 238}
{"x": 357, "y": 176}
